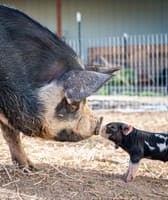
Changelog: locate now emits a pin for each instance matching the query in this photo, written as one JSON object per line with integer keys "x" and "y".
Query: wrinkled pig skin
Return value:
{"x": 43, "y": 85}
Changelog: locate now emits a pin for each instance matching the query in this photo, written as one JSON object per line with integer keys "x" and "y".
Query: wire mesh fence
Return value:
{"x": 144, "y": 62}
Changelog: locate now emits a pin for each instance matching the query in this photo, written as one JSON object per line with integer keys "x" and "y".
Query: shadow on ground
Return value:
{"x": 51, "y": 182}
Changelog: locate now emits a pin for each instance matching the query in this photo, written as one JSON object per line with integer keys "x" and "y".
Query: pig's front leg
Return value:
{"x": 132, "y": 170}
{"x": 18, "y": 154}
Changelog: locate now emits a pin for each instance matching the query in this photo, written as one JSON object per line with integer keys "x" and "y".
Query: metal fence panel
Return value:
{"x": 144, "y": 61}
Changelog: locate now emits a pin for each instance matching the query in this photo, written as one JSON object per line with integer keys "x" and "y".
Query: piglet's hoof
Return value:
{"x": 128, "y": 177}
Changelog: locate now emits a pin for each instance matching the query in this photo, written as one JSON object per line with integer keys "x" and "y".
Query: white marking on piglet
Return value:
{"x": 162, "y": 146}
{"x": 161, "y": 136}
{"x": 149, "y": 146}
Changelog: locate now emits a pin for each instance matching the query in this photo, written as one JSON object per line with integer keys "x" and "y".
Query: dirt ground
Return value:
{"x": 89, "y": 170}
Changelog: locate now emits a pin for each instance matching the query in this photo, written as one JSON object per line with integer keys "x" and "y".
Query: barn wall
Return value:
{"x": 115, "y": 17}
{"x": 41, "y": 10}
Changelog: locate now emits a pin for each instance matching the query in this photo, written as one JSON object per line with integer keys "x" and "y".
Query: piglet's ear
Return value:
{"x": 81, "y": 84}
{"x": 127, "y": 129}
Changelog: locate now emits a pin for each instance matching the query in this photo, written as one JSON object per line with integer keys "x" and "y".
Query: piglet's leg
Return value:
{"x": 18, "y": 154}
{"x": 132, "y": 170}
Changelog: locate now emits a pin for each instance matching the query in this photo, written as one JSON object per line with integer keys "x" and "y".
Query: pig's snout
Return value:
{"x": 98, "y": 126}
{"x": 103, "y": 132}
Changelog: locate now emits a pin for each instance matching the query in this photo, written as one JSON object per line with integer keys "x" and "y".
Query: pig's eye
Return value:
{"x": 64, "y": 109}
{"x": 71, "y": 108}
{"x": 113, "y": 128}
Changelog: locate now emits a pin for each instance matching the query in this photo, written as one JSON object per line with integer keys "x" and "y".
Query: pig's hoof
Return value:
{"x": 25, "y": 165}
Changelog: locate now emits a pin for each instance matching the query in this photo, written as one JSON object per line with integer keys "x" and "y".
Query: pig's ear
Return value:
{"x": 81, "y": 84}
{"x": 126, "y": 128}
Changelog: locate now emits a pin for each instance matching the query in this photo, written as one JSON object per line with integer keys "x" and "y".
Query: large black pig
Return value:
{"x": 43, "y": 85}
